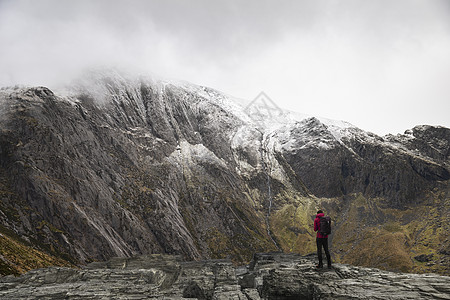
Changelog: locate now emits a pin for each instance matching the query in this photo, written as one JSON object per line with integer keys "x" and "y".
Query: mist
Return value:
{"x": 381, "y": 65}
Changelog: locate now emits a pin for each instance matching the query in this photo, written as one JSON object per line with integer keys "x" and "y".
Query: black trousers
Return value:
{"x": 323, "y": 242}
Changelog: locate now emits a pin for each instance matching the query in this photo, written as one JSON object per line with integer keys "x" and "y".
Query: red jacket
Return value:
{"x": 317, "y": 225}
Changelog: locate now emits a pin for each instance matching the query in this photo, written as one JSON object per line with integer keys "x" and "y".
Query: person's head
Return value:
{"x": 319, "y": 211}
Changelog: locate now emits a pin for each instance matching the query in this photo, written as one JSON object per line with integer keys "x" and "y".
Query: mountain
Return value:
{"x": 120, "y": 166}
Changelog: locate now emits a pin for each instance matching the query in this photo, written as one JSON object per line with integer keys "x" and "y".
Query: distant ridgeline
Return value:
{"x": 118, "y": 166}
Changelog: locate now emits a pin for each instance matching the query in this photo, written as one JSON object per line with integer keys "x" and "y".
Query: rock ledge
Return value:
{"x": 268, "y": 276}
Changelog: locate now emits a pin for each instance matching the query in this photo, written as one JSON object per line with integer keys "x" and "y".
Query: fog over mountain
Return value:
{"x": 382, "y": 66}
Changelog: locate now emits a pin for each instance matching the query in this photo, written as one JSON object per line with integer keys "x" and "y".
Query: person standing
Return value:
{"x": 321, "y": 241}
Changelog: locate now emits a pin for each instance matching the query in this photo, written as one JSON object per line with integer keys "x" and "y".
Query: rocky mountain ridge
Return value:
{"x": 268, "y": 276}
{"x": 121, "y": 167}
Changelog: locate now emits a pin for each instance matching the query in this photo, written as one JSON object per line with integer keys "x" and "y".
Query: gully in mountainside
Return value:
{"x": 266, "y": 169}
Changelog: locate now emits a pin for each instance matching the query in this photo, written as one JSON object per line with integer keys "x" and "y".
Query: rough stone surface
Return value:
{"x": 269, "y": 276}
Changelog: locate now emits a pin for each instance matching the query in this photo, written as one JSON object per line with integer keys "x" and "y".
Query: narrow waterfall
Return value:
{"x": 265, "y": 156}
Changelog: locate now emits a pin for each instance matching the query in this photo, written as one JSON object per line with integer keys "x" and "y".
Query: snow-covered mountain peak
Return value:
{"x": 130, "y": 90}
{"x": 111, "y": 85}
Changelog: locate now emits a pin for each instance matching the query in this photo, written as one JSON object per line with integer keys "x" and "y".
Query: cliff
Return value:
{"x": 120, "y": 166}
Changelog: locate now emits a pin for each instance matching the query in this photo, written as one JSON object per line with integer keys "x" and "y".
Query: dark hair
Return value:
{"x": 320, "y": 211}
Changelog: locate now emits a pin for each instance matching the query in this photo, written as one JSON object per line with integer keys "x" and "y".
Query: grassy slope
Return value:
{"x": 18, "y": 256}
{"x": 368, "y": 233}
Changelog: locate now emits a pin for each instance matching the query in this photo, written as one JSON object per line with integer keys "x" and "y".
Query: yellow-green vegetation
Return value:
{"x": 239, "y": 247}
{"x": 17, "y": 257}
{"x": 369, "y": 232}
{"x": 376, "y": 248}
{"x": 292, "y": 228}
{"x": 218, "y": 243}
{"x": 391, "y": 238}
{"x": 52, "y": 228}
{"x": 136, "y": 195}
{"x": 392, "y": 227}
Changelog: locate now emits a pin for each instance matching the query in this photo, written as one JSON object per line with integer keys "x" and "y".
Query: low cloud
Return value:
{"x": 381, "y": 65}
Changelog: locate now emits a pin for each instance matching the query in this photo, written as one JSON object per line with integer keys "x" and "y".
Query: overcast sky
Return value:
{"x": 382, "y": 65}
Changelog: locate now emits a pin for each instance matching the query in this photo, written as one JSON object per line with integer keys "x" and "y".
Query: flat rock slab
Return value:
{"x": 269, "y": 276}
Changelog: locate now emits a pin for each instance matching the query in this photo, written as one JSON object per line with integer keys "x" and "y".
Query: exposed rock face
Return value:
{"x": 147, "y": 171}
{"x": 401, "y": 169}
{"x": 269, "y": 276}
{"x": 123, "y": 167}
